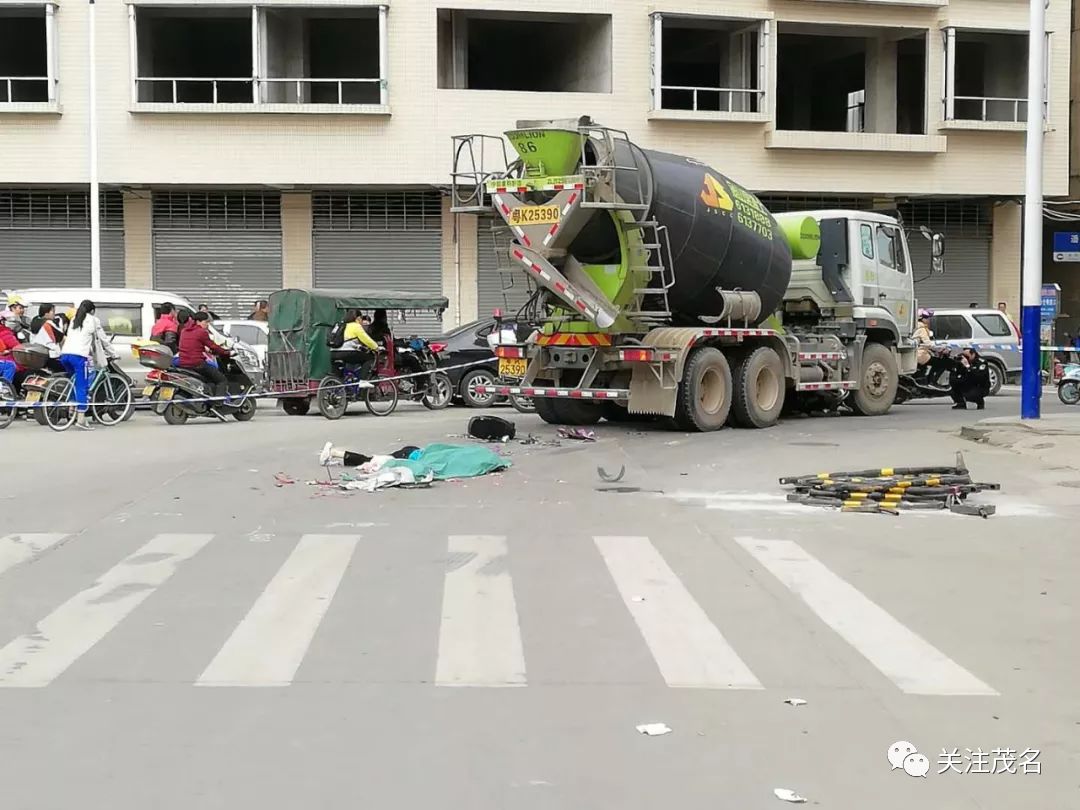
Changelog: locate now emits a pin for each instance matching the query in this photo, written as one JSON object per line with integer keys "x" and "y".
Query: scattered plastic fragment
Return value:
{"x": 281, "y": 479}
{"x": 608, "y": 477}
{"x": 581, "y": 434}
{"x": 637, "y": 598}
{"x": 788, "y": 796}
{"x": 795, "y": 702}
{"x": 655, "y": 730}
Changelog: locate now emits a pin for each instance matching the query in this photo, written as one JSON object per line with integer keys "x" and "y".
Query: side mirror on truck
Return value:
{"x": 937, "y": 249}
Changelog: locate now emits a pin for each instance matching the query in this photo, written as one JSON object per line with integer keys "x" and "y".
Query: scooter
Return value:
{"x": 412, "y": 358}
{"x": 1069, "y": 385}
{"x": 181, "y": 394}
{"x": 931, "y": 380}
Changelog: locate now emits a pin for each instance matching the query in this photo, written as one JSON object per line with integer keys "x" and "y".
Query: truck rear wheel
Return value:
{"x": 567, "y": 411}
{"x": 704, "y": 399}
{"x": 878, "y": 381}
{"x": 759, "y": 389}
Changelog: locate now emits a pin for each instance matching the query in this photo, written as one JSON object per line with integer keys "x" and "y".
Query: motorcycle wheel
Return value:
{"x": 332, "y": 398}
{"x": 1069, "y": 392}
{"x": 246, "y": 411}
{"x": 7, "y": 394}
{"x": 59, "y": 417}
{"x": 439, "y": 392}
{"x": 175, "y": 414}
{"x": 522, "y": 404}
{"x": 381, "y": 398}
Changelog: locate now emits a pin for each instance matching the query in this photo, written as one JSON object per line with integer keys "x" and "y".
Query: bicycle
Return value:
{"x": 7, "y": 412}
{"x": 109, "y": 394}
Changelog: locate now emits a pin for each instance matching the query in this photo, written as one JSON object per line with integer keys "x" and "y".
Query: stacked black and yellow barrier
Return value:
{"x": 890, "y": 490}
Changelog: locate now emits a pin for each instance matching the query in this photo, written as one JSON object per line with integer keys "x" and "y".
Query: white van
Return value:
{"x": 127, "y": 315}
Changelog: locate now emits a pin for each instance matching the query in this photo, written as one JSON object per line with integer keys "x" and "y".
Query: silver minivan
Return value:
{"x": 989, "y": 332}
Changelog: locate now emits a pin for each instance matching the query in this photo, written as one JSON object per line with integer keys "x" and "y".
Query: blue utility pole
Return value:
{"x": 1031, "y": 300}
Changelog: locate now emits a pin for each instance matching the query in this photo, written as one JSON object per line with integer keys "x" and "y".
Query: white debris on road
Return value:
{"x": 795, "y": 702}
{"x": 653, "y": 729}
{"x": 789, "y": 796}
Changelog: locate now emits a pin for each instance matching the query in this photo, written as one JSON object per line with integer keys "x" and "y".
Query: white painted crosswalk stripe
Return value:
{"x": 688, "y": 648}
{"x": 479, "y": 635}
{"x": 18, "y": 548}
{"x": 912, "y": 663}
{"x": 270, "y": 643}
{"x": 35, "y": 659}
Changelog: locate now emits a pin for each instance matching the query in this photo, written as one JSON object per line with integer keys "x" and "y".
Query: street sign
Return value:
{"x": 1067, "y": 246}
{"x": 1050, "y": 304}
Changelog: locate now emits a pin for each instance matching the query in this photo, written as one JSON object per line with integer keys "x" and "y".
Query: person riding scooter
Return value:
{"x": 195, "y": 342}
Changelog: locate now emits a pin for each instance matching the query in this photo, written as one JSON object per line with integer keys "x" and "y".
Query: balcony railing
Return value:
{"x": 294, "y": 89}
{"x": 187, "y": 86}
{"x": 990, "y": 108}
{"x": 9, "y": 84}
{"x": 203, "y": 90}
{"x": 751, "y": 98}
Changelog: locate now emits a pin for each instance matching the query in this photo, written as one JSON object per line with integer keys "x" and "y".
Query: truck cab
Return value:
{"x": 863, "y": 277}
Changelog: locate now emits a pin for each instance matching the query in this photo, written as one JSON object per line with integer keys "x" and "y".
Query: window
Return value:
{"x": 994, "y": 325}
{"x": 709, "y": 64}
{"x": 866, "y": 238}
{"x": 890, "y": 249}
{"x": 569, "y": 53}
{"x": 950, "y": 327}
{"x": 259, "y": 55}
{"x": 251, "y": 335}
{"x": 985, "y": 76}
{"x": 121, "y": 320}
{"x": 834, "y": 78}
{"x": 27, "y": 60}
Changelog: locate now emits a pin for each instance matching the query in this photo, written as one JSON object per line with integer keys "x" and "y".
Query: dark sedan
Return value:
{"x": 468, "y": 344}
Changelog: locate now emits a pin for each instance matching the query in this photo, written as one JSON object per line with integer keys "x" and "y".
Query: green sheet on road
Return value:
{"x": 445, "y": 461}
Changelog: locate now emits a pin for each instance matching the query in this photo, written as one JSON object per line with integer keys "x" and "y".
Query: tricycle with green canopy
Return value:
{"x": 302, "y": 367}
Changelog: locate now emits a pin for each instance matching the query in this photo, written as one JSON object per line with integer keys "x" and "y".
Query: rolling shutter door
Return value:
{"x": 380, "y": 240}
{"x": 966, "y": 226}
{"x": 966, "y": 279}
{"x": 45, "y": 239}
{"x": 508, "y": 290}
{"x": 220, "y": 249}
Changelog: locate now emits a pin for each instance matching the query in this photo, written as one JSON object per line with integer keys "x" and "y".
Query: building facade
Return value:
{"x": 242, "y": 147}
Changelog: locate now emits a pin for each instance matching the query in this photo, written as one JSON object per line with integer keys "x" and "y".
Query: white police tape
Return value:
{"x": 240, "y": 398}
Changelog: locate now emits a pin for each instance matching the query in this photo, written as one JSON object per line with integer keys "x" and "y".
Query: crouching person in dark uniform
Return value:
{"x": 970, "y": 381}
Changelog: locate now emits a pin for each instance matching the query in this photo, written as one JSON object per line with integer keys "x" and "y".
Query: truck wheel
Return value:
{"x": 759, "y": 389}
{"x": 704, "y": 399}
{"x": 878, "y": 381}
{"x": 545, "y": 409}
{"x": 567, "y": 412}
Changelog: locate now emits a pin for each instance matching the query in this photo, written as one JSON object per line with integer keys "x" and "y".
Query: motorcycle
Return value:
{"x": 415, "y": 357}
{"x": 930, "y": 380}
{"x": 180, "y": 394}
{"x": 35, "y": 358}
{"x": 1069, "y": 385}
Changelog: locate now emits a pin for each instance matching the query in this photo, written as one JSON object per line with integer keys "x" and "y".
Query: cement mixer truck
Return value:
{"x": 664, "y": 288}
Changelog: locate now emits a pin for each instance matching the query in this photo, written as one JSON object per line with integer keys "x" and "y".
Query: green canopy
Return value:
{"x": 300, "y": 319}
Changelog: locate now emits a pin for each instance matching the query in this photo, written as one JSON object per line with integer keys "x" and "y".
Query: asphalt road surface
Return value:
{"x": 178, "y": 632}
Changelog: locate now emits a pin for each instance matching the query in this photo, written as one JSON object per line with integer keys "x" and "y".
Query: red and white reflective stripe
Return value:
{"x": 563, "y": 187}
{"x": 533, "y": 266}
{"x": 512, "y": 189}
{"x": 645, "y": 356}
{"x": 553, "y": 393}
{"x": 822, "y": 355}
{"x": 551, "y": 233}
{"x": 737, "y": 332}
{"x": 527, "y": 189}
{"x": 825, "y": 386}
{"x": 502, "y": 206}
